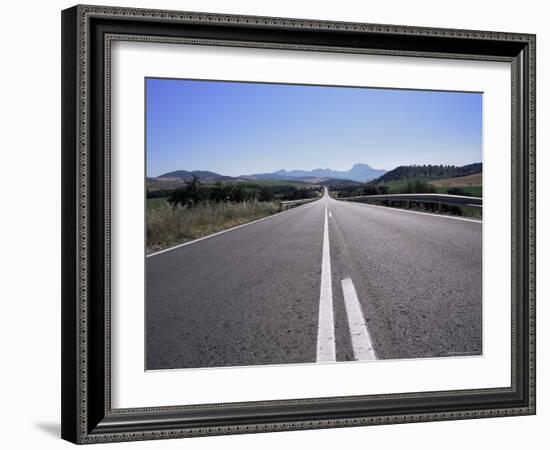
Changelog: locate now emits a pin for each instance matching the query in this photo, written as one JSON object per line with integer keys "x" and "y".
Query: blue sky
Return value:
{"x": 237, "y": 128}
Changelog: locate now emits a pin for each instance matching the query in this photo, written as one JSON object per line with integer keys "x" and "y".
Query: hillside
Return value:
{"x": 468, "y": 180}
{"x": 188, "y": 174}
{"x": 428, "y": 171}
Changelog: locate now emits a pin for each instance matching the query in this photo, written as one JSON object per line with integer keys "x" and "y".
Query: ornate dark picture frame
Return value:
{"x": 87, "y": 415}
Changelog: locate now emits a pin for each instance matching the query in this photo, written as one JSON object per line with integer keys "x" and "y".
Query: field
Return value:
{"x": 475, "y": 179}
{"x": 271, "y": 183}
{"x": 154, "y": 184}
{"x": 472, "y": 191}
{"x": 154, "y": 203}
{"x": 167, "y": 226}
{"x": 396, "y": 186}
{"x": 470, "y": 185}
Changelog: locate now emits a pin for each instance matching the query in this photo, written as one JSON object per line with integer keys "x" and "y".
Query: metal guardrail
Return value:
{"x": 293, "y": 203}
{"x": 439, "y": 199}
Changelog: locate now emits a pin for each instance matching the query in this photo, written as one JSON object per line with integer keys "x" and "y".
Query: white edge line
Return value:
{"x": 360, "y": 338}
{"x": 225, "y": 231}
{"x": 326, "y": 346}
{"x": 418, "y": 212}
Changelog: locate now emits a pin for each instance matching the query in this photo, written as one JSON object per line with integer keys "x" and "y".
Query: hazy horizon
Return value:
{"x": 246, "y": 173}
{"x": 235, "y": 128}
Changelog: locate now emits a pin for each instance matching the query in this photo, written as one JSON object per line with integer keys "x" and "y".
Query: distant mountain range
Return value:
{"x": 359, "y": 172}
{"x": 204, "y": 175}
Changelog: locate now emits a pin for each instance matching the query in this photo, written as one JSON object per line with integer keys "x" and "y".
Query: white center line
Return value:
{"x": 326, "y": 349}
{"x": 360, "y": 338}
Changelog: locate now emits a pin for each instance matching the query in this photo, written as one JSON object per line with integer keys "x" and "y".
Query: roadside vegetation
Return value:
{"x": 470, "y": 191}
{"x": 429, "y": 171}
{"x": 470, "y": 185}
{"x": 197, "y": 210}
{"x": 167, "y": 226}
{"x": 421, "y": 180}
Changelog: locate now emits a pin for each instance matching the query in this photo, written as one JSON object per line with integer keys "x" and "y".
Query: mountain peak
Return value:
{"x": 359, "y": 172}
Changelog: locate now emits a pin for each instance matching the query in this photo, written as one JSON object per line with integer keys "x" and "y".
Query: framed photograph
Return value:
{"x": 277, "y": 224}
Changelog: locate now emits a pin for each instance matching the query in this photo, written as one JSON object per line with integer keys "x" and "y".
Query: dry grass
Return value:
{"x": 167, "y": 226}
{"x": 469, "y": 180}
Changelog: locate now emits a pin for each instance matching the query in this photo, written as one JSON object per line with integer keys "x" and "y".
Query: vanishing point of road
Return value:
{"x": 326, "y": 281}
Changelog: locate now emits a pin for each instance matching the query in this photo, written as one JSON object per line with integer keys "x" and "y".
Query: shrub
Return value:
{"x": 456, "y": 191}
{"x": 418, "y": 187}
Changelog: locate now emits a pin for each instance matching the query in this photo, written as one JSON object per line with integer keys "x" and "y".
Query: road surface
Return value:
{"x": 326, "y": 281}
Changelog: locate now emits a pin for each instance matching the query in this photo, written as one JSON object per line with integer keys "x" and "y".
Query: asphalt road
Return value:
{"x": 326, "y": 281}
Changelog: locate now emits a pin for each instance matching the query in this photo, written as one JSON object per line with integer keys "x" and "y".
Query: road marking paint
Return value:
{"x": 330, "y": 214}
{"x": 418, "y": 212}
{"x": 227, "y": 230}
{"x": 360, "y": 338}
{"x": 326, "y": 348}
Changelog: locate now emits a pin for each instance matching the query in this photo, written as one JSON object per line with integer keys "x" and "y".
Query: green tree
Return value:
{"x": 190, "y": 195}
